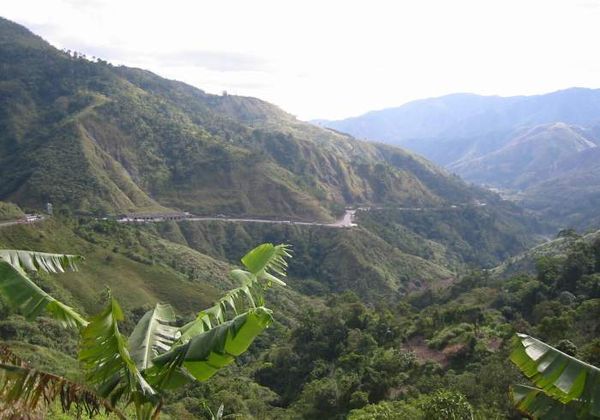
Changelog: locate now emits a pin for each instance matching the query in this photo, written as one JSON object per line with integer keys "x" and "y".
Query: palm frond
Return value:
{"x": 27, "y": 390}
{"x": 152, "y": 335}
{"x": 23, "y": 294}
{"x": 107, "y": 361}
{"x": 557, "y": 374}
{"x": 206, "y": 353}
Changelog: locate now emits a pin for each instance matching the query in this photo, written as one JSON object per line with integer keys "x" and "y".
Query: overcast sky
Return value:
{"x": 334, "y": 59}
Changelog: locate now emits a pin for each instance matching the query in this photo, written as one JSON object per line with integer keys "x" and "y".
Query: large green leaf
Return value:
{"x": 267, "y": 257}
{"x": 22, "y": 293}
{"x": 27, "y": 390}
{"x": 557, "y": 374}
{"x": 107, "y": 361}
{"x": 153, "y": 335}
{"x": 259, "y": 261}
{"x": 206, "y": 353}
{"x": 232, "y": 301}
{"x": 534, "y": 403}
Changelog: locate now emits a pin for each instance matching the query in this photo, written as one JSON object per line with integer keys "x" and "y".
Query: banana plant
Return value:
{"x": 566, "y": 387}
{"x": 158, "y": 355}
{"x": 25, "y": 390}
{"x": 23, "y": 294}
{"x": 534, "y": 402}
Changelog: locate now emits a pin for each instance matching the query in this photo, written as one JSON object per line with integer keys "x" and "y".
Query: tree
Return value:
{"x": 567, "y": 387}
{"x": 580, "y": 261}
{"x": 157, "y": 356}
{"x": 445, "y": 404}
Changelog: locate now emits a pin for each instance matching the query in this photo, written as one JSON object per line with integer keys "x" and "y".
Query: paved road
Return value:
{"x": 14, "y": 222}
{"x": 345, "y": 221}
{"x": 25, "y": 221}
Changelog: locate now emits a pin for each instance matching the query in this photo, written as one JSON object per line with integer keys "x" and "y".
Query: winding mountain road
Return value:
{"x": 24, "y": 221}
{"x": 346, "y": 221}
{"x": 10, "y": 223}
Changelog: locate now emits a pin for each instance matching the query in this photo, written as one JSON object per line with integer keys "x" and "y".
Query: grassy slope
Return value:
{"x": 133, "y": 283}
{"x": 95, "y": 138}
{"x": 186, "y": 262}
{"x": 337, "y": 259}
{"x": 10, "y": 211}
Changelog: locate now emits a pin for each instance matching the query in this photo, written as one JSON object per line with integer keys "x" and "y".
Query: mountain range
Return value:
{"x": 535, "y": 148}
{"x": 96, "y": 138}
{"x": 392, "y": 309}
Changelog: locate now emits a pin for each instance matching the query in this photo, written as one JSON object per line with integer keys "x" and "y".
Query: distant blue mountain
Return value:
{"x": 535, "y": 146}
{"x": 465, "y": 115}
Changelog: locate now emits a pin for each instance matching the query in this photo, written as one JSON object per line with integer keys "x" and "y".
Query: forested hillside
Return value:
{"x": 356, "y": 331}
{"x": 100, "y": 139}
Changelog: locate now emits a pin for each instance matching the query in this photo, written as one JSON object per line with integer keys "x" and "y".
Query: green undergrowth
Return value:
{"x": 10, "y": 211}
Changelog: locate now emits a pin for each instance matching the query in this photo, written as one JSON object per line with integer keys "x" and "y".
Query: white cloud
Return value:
{"x": 335, "y": 58}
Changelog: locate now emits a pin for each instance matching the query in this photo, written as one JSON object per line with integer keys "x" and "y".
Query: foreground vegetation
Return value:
{"x": 158, "y": 356}
{"x": 331, "y": 354}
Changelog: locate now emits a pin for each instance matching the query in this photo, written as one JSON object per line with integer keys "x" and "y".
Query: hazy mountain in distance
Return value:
{"x": 532, "y": 145}
{"x": 466, "y": 115}
{"x": 533, "y": 154}
{"x": 570, "y": 193}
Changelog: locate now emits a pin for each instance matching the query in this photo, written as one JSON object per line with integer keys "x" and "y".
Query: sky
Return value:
{"x": 334, "y": 59}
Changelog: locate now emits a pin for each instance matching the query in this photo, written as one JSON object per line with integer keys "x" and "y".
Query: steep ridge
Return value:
{"x": 95, "y": 138}
{"x": 558, "y": 247}
{"x": 576, "y": 178}
{"x": 533, "y": 154}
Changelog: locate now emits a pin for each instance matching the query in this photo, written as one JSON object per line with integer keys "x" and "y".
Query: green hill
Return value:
{"x": 10, "y": 211}
{"x": 558, "y": 248}
{"x": 533, "y": 154}
{"x": 96, "y": 138}
{"x": 576, "y": 177}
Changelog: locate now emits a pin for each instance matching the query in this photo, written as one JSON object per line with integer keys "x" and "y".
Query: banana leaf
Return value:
{"x": 107, "y": 361}
{"x": 557, "y": 374}
{"x": 23, "y": 294}
{"x": 206, "y": 353}
{"x": 152, "y": 335}
{"x": 24, "y": 389}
